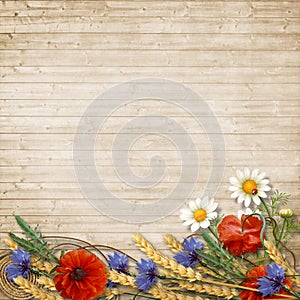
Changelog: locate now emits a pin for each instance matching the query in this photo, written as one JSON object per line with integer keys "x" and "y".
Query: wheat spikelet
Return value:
{"x": 216, "y": 290}
{"x": 112, "y": 292}
{"x": 173, "y": 243}
{"x": 240, "y": 266}
{"x": 164, "y": 260}
{"x": 12, "y": 245}
{"x": 121, "y": 278}
{"x": 47, "y": 282}
{"x": 277, "y": 257}
{"x": 160, "y": 292}
{"x": 41, "y": 264}
{"x": 32, "y": 289}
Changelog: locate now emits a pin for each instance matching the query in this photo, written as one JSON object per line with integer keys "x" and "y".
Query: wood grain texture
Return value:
{"x": 56, "y": 57}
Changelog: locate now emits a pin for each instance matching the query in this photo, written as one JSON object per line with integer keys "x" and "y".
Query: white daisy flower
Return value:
{"x": 248, "y": 211}
{"x": 249, "y": 186}
{"x": 199, "y": 214}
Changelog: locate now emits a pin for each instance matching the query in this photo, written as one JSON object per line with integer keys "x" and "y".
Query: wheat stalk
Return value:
{"x": 172, "y": 264}
{"x": 160, "y": 292}
{"x": 35, "y": 291}
{"x": 47, "y": 282}
{"x": 277, "y": 257}
{"x": 165, "y": 261}
{"x": 211, "y": 289}
{"x": 173, "y": 243}
{"x": 112, "y": 292}
{"x": 12, "y": 245}
{"x": 121, "y": 278}
{"x": 41, "y": 264}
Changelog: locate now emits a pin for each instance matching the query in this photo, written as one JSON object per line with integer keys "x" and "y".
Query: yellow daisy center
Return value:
{"x": 249, "y": 186}
{"x": 200, "y": 214}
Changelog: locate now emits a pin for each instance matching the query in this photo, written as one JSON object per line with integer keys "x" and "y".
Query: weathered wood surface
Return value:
{"x": 56, "y": 57}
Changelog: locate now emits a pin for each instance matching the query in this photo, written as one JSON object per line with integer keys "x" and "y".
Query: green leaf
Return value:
{"x": 209, "y": 240}
{"x": 27, "y": 245}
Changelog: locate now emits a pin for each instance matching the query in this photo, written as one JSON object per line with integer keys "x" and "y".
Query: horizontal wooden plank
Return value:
{"x": 108, "y": 174}
{"x": 282, "y": 155}
{"x": 56, "y": 197}
{"x": 89, "y": 91}
{"x": 219, "y": 108}
{"x": 65, "y": 224}
{"x": 160, "y": 25}
{"x": 112, "y": 125}
{"x": 63, "y": 143}
{"x": 137, "y": 58}
{"x": 152, "y": 8}
{"x": 159, "y": 42}
{"x": 62, "y": 108}
{"x": 183, "y": 74}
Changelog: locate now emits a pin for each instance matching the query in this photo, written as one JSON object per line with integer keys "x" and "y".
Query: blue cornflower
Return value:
{"x": 271, "y": 283}
{"x": 20, "y": 265}
{"x": 118, "y": 262}
{"x": 189, "y": 257}
{"x": 147, "y": 274}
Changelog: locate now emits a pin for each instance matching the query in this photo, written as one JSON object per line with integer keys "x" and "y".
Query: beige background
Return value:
{"x": 57, "y": 56}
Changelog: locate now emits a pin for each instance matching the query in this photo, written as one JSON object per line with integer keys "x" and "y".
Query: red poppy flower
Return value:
{"x": 83, "y": 275}
{"x": 252, "y": 278}
{"x": 240, "y": 241}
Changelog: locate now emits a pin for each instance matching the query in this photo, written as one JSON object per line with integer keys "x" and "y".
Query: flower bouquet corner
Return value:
{"x": 238, "y": 256}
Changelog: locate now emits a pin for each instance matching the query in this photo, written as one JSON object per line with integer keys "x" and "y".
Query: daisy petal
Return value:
{"x": 248, "y": 211}
{"x": 261, "y": 176}
{"x": 186, "y": 214}
{"x": 234, "y": 181}
{"x": 240, "y": 213}
{"x": 266, "y": 188}
{"x": 233, "y": 188}
{"x": 205, "y": 223}
{"x": 205, "y": 202}
{"x": 264, "y": 182}
{"x": 235, "y": 194}
{"x": 195, "y": 226}
{"x": 198, "y": 202}
{"x": 254, "y": 173}
{"x": 192, "y": 205}
{"x": 189, "y": 222}
{"x": 240, "y": 175}
{"x": 212, "y": 215}
{"x": 262, "y": 194}
{"x": 212, "y": 208}
{"x": 240, "y": 198}
{"x": 256, "y": 200}
{"x": 247, "y": 173}
{"x": 247, "y": 200}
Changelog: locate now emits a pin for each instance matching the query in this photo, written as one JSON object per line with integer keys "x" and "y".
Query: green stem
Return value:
{"x": 214, "y": 233}
{"x": 281, "y": 233}
{"x": 144, "y": 296}
{"x": 270, "y": 216}
{"x": 287, "y": 289}
{"x": 266, "y": 207}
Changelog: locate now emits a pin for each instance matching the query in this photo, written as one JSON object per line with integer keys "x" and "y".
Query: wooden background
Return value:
{"x": 57, "y": 56}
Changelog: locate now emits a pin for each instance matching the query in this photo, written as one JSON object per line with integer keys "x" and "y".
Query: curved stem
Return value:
{"x": 281, "y": 233}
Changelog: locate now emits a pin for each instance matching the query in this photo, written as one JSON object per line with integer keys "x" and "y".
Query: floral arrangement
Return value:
{"x": 240, "y": 256}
